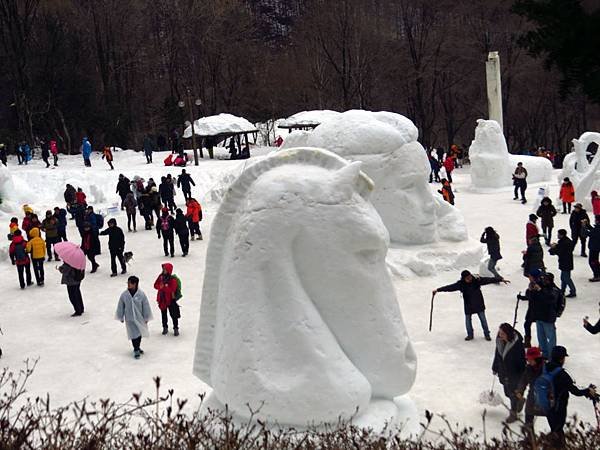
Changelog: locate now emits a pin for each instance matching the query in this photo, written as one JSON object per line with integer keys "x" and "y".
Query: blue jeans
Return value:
{"x": 482, "y": 319}
{"x": 546, "y": 333}
{"x": 565, "y": 280}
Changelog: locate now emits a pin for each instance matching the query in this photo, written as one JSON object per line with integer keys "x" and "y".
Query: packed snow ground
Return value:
{"x": 90, "y": 356}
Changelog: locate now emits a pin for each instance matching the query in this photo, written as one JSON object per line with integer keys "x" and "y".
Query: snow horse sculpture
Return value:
{"x": 299, "y": 318}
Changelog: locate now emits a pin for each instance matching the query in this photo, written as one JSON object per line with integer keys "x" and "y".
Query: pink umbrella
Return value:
{"x": 71, "y": 254}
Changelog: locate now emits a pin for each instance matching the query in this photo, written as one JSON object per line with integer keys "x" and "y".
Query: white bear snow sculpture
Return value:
{"x": 298, "y": 310}
{"x": 491, "y": 164}
{"x": 386, "y": 143}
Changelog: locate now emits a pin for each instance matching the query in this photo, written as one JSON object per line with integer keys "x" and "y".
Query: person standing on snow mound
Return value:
{"x": 492, "y": 241}
{"x": 562, "y": 386}
{"x": 547, "y": 211}
{"x": 86, "y": 151}
{"x": 133, "y": 309}
{"x": 470, "y": 287}
{"x": 520, "y": 182}
{"x": 509, "y": 365}
{"x": 169, "y": 291}
{"x": 116, "y": 246}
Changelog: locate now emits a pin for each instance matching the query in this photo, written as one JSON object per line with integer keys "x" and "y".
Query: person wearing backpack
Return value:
{"x": 18, "y": 257}
{"x": 183, "y": 233}
{"x": 470, "y": 287}
{"x": 165, "y": 227}
{"x": 116, "y": 246}
{"x": 533, "y": 369}
{"x": 72, "y": 278}
{"x": 564, "y": 250}
{"x": 492, "y": 241}
{"x": 37, "y": 248}
{"x": 552, "y": 392}
{"x": 509, "y": 365}
{"x": 133, "y": 309}
{"x": 168, "y": 286}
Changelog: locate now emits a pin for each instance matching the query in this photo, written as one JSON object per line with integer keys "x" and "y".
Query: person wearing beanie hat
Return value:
{"x": 577, "y": 221}
{"x": 116, "y": 246}
{"x": 533, "y": 369}
{"x": 470, "y": 287}
{"x": 595, "y": 203}
{"x": 509, "y": 365}
{"x": 563, "y": 386}
{"x": 531, "y": 228}
{"x": 165, "y": 227}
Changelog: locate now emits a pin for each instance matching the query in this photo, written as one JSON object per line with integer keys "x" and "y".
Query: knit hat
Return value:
{"x": 535, "y": 273}
{"x": 533, "y": 353}
{"x": 27, "y": 209}
{"x": 532, "y": 217}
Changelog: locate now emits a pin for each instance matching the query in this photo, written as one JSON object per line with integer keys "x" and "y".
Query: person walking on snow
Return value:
{"x": 148, "y": 146}
{"x": 123, "y": 188}
{"x": 520, "y": 182}
{"x": 166, "y": 284}
{"x": 533, "y": 257}
{"x": 446, "y": 191}
{"x": 470, "y": 287}
{"x": 86, "y": 151}
{"x": 133, "y": 309}
{"x": 108, "y": 155}
{"x": 449, "y": 166}
{"x": 531, "y": 228}
{"x": 194, "y": 216}
{"x": 90, "y": 245}
{"x": 50, "y": 227}
{"x": 165, "y": 227}
{"x": 72, "y": 278}
{"x": 18, "y": 257}
{"x": 130, "y": 205}
{"x": 54, "y": 151}
{"x": 185, "y": 182}
{"x": 509, "y": 365}
{"x": 593, "y": 247}
{"x": 45, "y": 152}
{"x": 492, "y": 241}
{"x": 36, "y": 247}
{"x": 577, "y": 219}
{"x": 567, "y": 195}
{"x": 547, "y": 211}
{"x": 564, "y": 250}
{"x": 595, "y": 203}
{"x": 183, "y": 233}
{"x": 116, "y": 246}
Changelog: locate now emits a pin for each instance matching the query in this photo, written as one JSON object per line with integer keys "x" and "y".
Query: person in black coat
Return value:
{"x": 533, "y": 257}
{"x": 123, "y": 188}
{"x": 492, "y": 241}
{"x": 509, "y": 365}
{"x": 470, "y": 287}
{"x": 547, "y": 211}
{"x": 90, "y": 244}
{"x": 183, "y": 233}
{"x": 563, "y": 386}
{"x": 116, "y": 246}
{"x": 594, "y": 247}
{"x": 45, "y": 152}
{"x": 165, "y": 227}
{"x": 185, "y": 182}
{"x": 577, "y": 219}
{"x": 564, "y": 250}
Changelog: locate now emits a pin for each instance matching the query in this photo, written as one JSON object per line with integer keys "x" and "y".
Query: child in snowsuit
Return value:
{"x": 165, "y": 227}
{"x": 133, "y": 309}
{"x": 446, "y": 191}
{"x": 182, "y": 231}
{"x": 37, "y": 248}
{"x": 18, "y": 256}
{"x": 567, "y": 195}
{"x": 166, "y": 285}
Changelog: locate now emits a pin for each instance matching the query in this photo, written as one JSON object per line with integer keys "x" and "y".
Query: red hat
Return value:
{"x": 533, "y": 353}
{"x": 165, "y": 210}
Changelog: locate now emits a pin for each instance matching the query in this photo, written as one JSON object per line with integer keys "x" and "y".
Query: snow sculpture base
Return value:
{"x": 400, "y": 413}
{"x": 491, "y": 164}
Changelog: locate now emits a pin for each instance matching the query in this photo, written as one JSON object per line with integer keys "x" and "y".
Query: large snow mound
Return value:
{"x": 220, "y": 124}
{"x": 386, "y": 143}
{"x": 308, "y": 118}
{"x": 491, "y": 163}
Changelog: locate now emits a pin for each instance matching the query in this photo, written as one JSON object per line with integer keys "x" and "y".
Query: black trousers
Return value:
{"x": 46, "y": 161}
{"x": 110, "y": 164}
{"x": 169, "y": 244}
{"x": 114, "y": 255}
{"x": 55, "y": 160}
{"x": 149, "y": 157}
{"x": 566, "y": 207}
{"x": 577, "y": 235}
{"x": 92, "y": 258}
{"x": 49, "y": 243}
{"x": 522, "y": 187}
{"x": 122, "y": 201}
{"x": 184, "y": 241}
{"x": 24, "y": 270}
{"x": 187, "y": 194}
{"x": 594, "y": 263}
{"x": 195, "y": 228}
{"x": 556, "y": 421}
{"x": 38, "y": 269}
{"x": 130, "y": 220}
{"x": 174, "y": 313}
{"x": 75, "y": 298}
{"x": 136, "y": 343}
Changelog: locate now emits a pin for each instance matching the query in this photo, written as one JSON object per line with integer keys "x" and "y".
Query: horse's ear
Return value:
{"x": 350, "y": 176}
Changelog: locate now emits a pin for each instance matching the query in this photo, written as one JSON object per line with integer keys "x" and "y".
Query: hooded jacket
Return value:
{"x": 166, "y": 285}
{"x": 18, "y": 241}
{"x": 509, "y": 360}
{"x": 86, "y": 148}
{"x": 567, "y": 192}
{"x": 194, "y": 211}
{"x": 36, "y": 245}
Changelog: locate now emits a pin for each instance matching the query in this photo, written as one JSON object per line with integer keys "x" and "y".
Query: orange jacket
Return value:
{"x": 567, "y": 193}
{"x": 106, "y": 153}
{"x": 194, "y": 211}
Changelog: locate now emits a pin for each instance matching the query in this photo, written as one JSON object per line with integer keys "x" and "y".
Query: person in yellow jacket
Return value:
{"x": 37, "y": 247}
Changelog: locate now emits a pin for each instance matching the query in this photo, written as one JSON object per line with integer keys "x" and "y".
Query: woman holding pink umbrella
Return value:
{"x": 73, "y": 272}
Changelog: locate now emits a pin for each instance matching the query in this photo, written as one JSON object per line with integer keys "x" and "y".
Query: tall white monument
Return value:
{"x": 494, "y": 87}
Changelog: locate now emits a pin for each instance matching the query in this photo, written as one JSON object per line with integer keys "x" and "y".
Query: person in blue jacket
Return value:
{"x": 86, "y": 151}
{"x": 26, "y": 153}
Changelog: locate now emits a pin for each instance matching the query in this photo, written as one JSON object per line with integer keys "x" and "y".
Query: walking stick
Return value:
{"x": 516, "y": 309}
{"x": 431, "y": 313}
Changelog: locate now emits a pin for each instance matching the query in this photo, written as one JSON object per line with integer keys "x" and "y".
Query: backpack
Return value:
{"x": 164, "y": 223}
{"x": 20, "y": 251}
{"x": 543, "y": 390}
{"x": 99, "y": 220}
{"x": 178, "y": 293}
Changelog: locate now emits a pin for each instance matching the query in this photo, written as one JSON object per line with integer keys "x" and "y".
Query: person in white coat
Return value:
{"x": 134, "y": 310}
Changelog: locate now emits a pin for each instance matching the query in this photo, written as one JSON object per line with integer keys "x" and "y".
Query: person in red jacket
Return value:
{"x": 531, "y": 229}
{"x": 80, "y": 197}
{"x": 54, "y": 151}
{"x": 166, "y": 285}
{"x": 595, "y": 203}
{"x": 18, "y": 256}
{"x": 449, "y": 166}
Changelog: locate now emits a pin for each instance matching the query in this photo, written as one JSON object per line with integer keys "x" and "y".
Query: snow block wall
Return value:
{"x": 491, "y": 164}
{"x": 273, "y": 330}
{"x": 386, "y": 143}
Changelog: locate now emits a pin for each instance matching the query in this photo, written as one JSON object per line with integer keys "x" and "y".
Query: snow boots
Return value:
{"x": 165, "y": 331}
{"x": 176, "y": 331}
